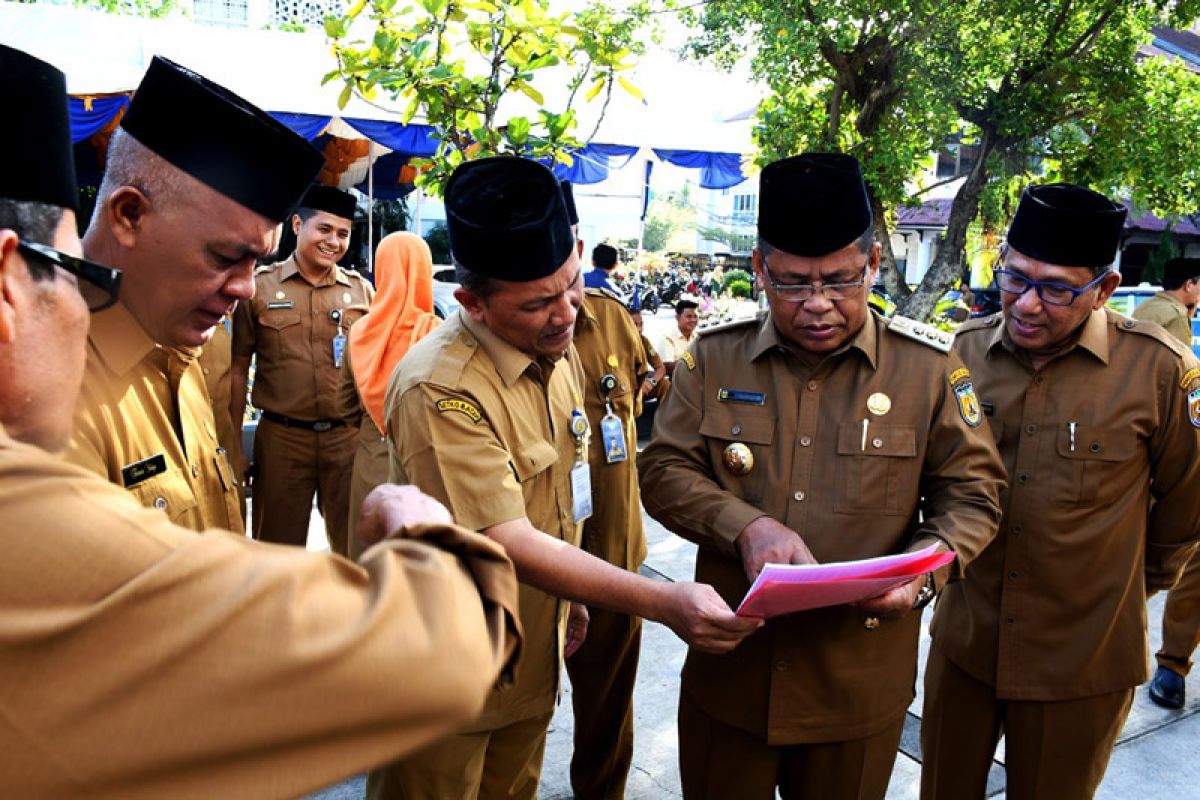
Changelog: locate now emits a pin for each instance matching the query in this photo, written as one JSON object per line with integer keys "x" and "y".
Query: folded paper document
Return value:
{"x": 785, "y": 588}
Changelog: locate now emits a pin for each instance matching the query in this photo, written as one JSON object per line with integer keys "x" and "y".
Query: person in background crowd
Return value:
{"x": 604, "y": 264}
{"x": 401, "y": 315}
{"x": 675, "y": 343}
{"x": 1175, "y": 305}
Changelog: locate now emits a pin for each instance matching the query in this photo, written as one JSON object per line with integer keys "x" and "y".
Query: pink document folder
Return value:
{"x": 785, "y": 588}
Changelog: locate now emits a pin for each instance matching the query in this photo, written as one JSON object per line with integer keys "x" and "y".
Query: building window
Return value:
{"x": 229, "y": 13}
{"x": 310, "y": 13}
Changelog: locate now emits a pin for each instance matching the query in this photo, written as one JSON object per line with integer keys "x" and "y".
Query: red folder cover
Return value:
{"x": 786, "y": 588}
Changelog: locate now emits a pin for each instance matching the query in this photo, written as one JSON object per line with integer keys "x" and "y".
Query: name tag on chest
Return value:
{"x": 135, "y": 473}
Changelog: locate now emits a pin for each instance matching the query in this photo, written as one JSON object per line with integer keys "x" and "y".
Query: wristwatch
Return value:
{"x": 927, "y": 593}
{"x": 652, "y": 382}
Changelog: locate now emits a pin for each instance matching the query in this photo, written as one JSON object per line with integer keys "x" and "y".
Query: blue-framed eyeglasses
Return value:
{"x": 802, "y": 292}
{"x": 1049, "y": 292}
{"x": 99, "y": 285}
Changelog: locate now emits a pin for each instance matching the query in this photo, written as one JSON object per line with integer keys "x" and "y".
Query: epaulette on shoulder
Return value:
{"x": 979, "y": 324}
{"x": 600, "y": 291}
{"x": 1149, "y": 330}
{"x": 731, "y": 324}
{"x": 265, "y": 268}
{"x": 452, "y": 360}
{"x": 922, "y": 332}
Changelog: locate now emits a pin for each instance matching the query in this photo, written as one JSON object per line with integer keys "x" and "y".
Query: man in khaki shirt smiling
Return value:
{"x": 820, "y": 432}
{"x": 295, "y": 327}
{"x": 1097, "y": 417}
{"x": 140, "y": 660}
{"x": 486, "y": 414}
{"x": 195, "y": 183}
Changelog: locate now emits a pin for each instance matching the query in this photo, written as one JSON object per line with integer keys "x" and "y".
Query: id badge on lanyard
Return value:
{"x": 581, "y": 477}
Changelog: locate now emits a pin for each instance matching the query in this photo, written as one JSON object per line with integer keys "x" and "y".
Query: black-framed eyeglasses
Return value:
{"x": 1049, "y": 292}
{"x": 802, "y": 292}
{"x": 99, "y": 285}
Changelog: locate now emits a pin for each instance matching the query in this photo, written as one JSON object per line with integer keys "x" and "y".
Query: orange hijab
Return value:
{"x": 401, "y": 315}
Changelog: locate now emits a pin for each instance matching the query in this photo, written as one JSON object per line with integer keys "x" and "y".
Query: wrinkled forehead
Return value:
{"x": 1034, "y": 269}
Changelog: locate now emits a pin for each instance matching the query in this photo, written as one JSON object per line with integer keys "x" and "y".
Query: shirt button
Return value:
{"x": 735, "y": 430}
{"x": 781, "y": 666}
{"x": 805, "y": 441}
{"x": 1094, "y": 447}
{"x": 1022, "y": 478}
{"x": 799, "y": 497}
{"x": 1039, "y": 379}
{"x": 1010, "y": 621}
{"x": 1031, "y": 429}
{"x": 160, "y": 503}
{"x": 1012, "y": 576}
{"x": 1017, "y": 529}
{"x": 812, "y": 386}
{"x": 877, "y": 443}
{"x": 195, "y": 470}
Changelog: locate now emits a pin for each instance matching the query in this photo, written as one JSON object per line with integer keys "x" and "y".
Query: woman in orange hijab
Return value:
{"x": 400, "y": 316}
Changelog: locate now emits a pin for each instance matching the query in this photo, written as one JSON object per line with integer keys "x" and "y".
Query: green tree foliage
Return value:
{"x": 153, "y": 9}
{"x": 1044, "y": 89}
{"x": 735, "y": 275}
{"x": 740, "y": 288}
{"x": 452, "y": 63}
{"x": 670, "y": 223}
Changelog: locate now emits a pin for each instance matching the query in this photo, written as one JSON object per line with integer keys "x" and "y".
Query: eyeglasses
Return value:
{"x": 98, "y": 285}
{"x": 1049, "y": 292}
{"x": 802, "y": 292}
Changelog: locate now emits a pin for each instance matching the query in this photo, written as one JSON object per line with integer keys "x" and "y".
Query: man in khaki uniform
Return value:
{"x": 675, "y": 343}
{"x": 1098, "y": 420}
{"x": 195, "y": 183}
{"x": 1173, "y": 308}
{"x": 296, "y": 329}
{"x": 820, "y": 432}
{"x": 143, "y": 661}
{"x": 486, "y": 414}
{"x": 603, "y": 670}
{"x": 1175, "y": 305}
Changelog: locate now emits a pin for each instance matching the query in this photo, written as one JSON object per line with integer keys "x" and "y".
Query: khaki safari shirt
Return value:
{"x": 674, "y": 344}
{"x": 1168, "y": 312}
{"x": 216, "y": 364}
{"x": 477, "y": 424}
{"x": 290, "y": 326}
{"x": 144, "y": 422}
{"x": 145, "y": 661}
{"x": 926, "y": 472}
{"x": 1055, "y": 607}
{"x": 609, "y": 344}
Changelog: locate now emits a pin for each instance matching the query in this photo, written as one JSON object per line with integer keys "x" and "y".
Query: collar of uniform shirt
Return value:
{"x": 510, "y": 362}
{"x": 866, "y": 340}
{"x": 1093, "y": 336}
{"x": 291, "y": 269}
{"x": 119, "y": 340}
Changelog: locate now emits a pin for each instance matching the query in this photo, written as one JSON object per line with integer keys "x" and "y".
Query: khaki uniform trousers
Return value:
{"x": 719, "y": 762}
{"x": 453, "y": 769}
{"x": 293, "y": 463}
{"x": 1056, "y": 749}
{"x": 1181, "y": 620}
{"x": 603, "y": 672}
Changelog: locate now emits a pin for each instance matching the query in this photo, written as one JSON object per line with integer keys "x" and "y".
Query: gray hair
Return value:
{"x": 131, "y": 163}
{"x": 479, "y": 285}
{"x": 33, "y": 222}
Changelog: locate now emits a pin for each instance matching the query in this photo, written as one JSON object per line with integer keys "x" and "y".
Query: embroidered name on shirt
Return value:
{"x": 143, "y": 470}
{"x": 741, "y": 396}
{"x": 461, "y": 406}
{"x": 282, "y": 304}
{"x": 1189, "y": 376}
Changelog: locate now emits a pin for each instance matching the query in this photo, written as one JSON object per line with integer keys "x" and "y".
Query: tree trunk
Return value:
{"x": 947, "y": 266}
{"x": 893, "y": 281}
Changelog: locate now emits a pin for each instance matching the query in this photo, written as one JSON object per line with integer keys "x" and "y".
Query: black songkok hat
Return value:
{"x": 330, "y": 200}
{"x": 1068, "y": 225}
{"x": 221, "y": 140}
{"x": 37, "y": 136}
{"x": 813, "y": 204}
{"x": 569, "y": 198}
{"x": 507, "y": 219}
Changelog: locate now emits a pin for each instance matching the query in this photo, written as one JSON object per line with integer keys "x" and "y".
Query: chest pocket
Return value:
{"x": 533, "y": 460}
{"x": 170, "y": 493}
{"x": 1085, "y": 474}
{"x": 281, "y": 335}
{"x": 752, "y": 426}
{"x": 881, "y": 477}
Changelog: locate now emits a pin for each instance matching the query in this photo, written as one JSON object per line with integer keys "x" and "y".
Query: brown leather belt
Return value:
{"x": 318, "y": 425}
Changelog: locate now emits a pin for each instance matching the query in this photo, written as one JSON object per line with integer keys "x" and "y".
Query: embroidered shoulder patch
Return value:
{"x": 1189, "y": 376}
{"x": 964, "y": 393}
{"x": 1193, "y": 401}
{"x": 461, "y": 406}
{"x": 686, "y": 358}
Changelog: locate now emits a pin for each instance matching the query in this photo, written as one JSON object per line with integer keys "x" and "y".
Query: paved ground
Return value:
{"x": 1157, "y": 755}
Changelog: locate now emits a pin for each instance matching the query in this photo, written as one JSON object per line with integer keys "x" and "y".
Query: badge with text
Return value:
{"x": 339, "y": 348}
{"x": 461, "y": 406}
{"x": 612, "y": 436}
{"x": 879, "y": 404}
{"x": 740, "y": 396}
{"x": 968, "y": 404}
{"x": 1194, "y": 407}
{"x": 280, "y": 304}
{"x": 147, "y": 468}
{"x": 581, "y": 492}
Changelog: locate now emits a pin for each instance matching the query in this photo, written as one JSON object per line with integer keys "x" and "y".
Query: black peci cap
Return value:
{"x": 569, "y": 198}
{"x": 813, "y": 204}
{"x": 1068, "y": 225}
{"x": 221, "y": 140}
{"x": 330, "y": 200}
{"x": 37, "y": 136}
{"x": 507, "y": 219}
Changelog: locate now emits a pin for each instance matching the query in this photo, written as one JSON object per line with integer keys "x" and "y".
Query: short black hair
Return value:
{"x": 33, "y": 222}
{"x": 604, "y": 256}
{"x": 1179, "y": 271}
{"x": 305, "y": 214}
{"x": 482, "y": 286}
{"x": 684, "y": 305}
